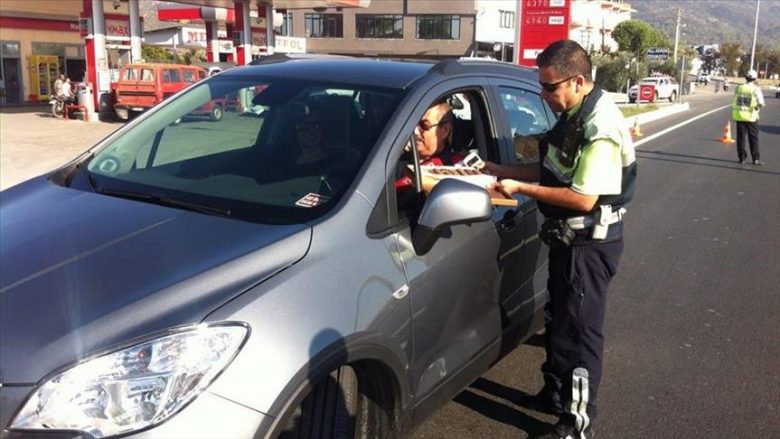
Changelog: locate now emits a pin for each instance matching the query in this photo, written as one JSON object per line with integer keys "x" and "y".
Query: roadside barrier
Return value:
{"x": 727, "y": 133}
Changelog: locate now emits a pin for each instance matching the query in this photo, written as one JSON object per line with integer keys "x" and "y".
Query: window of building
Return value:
{"x": 507, "y": 19}
{"x": 287, "y": 23}
{"x": 9, "y": 48}
{"x": 438, "y": 27}
{"x": 380, "y": 26}
{"x": 324, "y": 25}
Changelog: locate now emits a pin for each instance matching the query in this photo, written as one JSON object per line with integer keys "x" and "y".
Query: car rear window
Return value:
{"x": 171, "y": 75}
{"x": 147, "y": 75}
{"x": 281, "y": 151}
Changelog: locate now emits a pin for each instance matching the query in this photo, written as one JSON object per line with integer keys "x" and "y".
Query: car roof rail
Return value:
{"x": 452, "y": 66}
{"x": 282, "y": 57}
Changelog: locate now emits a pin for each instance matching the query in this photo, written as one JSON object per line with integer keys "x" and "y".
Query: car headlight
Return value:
{"x": 133, "y": 388}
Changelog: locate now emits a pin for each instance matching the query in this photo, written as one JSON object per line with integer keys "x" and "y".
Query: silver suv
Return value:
{"x": 226, "y": 280}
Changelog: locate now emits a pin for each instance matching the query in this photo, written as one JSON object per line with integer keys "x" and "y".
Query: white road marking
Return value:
{"x": 674, "y": 127}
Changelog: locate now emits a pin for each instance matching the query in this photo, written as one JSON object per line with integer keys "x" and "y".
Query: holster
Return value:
{"x": 556, "y": 233}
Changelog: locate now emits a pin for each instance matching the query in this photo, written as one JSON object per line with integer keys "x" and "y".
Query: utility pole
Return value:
{"x": 755, "y": 31}
{"x": 677, "y": 34}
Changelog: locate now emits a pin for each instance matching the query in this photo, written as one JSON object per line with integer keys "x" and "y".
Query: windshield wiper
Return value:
{"x": 164, "y": 201}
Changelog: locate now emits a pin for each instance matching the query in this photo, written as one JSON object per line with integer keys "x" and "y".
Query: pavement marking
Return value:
{"x": 674, "y": 127}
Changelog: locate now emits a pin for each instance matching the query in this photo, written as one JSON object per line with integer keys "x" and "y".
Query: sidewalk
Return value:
{"x": 32, "y": 141}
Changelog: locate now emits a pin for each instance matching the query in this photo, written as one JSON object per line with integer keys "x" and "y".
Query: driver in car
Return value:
{"x": 433, "y": 138}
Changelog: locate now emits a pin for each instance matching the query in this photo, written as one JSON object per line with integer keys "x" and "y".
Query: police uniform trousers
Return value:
{"x": 579, "y": 275}
{"x": 749, "y": 130}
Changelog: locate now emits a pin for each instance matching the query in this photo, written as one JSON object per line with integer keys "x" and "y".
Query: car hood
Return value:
{"x": 82, "y": 272}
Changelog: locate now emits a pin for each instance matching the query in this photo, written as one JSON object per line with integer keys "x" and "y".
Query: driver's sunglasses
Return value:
{"x": 427, "y": 126}
{"x": 552, "y": 86}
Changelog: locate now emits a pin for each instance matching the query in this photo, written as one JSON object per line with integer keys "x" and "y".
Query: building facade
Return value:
{"x": 387, "y": 28}
{"x": 592, "y": 23}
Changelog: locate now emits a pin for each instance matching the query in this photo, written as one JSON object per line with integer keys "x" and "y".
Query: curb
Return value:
{"x": 655, "y": 115}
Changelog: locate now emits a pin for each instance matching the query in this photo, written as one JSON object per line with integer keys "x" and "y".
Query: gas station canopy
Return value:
{"x": 284, "y": 4}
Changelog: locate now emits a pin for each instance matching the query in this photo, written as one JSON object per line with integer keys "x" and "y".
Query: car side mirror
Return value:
{"x": 451, "y": 202}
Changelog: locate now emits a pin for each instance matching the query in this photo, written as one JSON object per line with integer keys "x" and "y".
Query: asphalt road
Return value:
{"x": 692, "y": 330}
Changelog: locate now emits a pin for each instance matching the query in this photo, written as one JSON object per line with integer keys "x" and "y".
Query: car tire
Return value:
{"x": 673, "y": 96}
{"x": 216, "y": 113}
{"x": 631, "y": 101}
{"x": 329, "y": 411}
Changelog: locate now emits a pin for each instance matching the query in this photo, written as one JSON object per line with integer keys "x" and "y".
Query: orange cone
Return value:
{"x": 636, "y": 132}
{"x": 727, "y": 134}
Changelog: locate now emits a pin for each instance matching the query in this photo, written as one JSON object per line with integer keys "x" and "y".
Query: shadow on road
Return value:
{"x": 654, "y": 155}
{"x": 498, "y": 411}
{"x": 769, "y": 129}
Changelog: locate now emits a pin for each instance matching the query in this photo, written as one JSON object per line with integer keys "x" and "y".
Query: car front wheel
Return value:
{"x": 329, "y": 411}
{"x": 673, "y": 96}
{"x": 216, "y": 113}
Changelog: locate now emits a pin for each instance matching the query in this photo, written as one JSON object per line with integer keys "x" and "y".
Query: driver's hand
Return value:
{"x": 489, "y": 168}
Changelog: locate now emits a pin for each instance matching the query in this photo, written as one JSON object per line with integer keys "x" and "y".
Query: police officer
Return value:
{"x": 586, "y": 176}
{"x": 744, "y": 109}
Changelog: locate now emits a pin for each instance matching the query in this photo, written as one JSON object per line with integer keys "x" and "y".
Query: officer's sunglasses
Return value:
{"x": 552, "y": 86}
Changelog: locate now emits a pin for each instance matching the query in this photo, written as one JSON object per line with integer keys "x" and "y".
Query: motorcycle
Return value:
{"x": 57, "y": 106}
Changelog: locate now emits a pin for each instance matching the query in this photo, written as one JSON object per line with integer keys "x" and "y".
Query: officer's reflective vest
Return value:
{"x": 744, "y": 107}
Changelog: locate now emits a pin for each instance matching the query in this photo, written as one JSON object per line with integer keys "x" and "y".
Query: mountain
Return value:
{"x": 714, "y": 21}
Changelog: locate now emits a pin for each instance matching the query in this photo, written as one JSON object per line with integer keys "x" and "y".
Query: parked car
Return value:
{"x": 665, "y": 88}
{"x": 199, "y": 280}
{"x": 703, "y": 78}
{"x": 142, "y": 86}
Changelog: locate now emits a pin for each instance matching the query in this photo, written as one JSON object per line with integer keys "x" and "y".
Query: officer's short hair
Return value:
{"x": 568, "y": 57}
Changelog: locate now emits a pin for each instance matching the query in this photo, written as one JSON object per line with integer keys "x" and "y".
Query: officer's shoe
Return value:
{"x": 741, "y": 161}
{"x": 546, "y": 401}
{"x": 565, "y": 431}
{"x": 758, "y": 162}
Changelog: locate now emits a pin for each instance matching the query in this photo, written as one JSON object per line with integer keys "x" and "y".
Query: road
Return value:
{"x": 692, "y": 323}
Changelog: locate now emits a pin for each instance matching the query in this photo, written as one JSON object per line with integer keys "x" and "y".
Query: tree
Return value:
{"x": 156, "y": 54}
{"x": 731, "y": 51}
{"x": 636, "y": 36}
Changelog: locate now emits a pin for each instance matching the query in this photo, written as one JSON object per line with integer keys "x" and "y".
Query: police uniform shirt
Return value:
{"x": 598, "y": 166}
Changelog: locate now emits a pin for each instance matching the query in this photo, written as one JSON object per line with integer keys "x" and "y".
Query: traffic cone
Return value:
{"x": 727, "y": 133}
{"x": 636, "y": 132}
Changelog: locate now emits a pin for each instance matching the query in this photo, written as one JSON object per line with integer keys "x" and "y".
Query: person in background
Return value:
{"x": 57, "y": 88}
{"x": 66, "y": 91}
{"x": 586, "y": 175}
{"x": 748, "y": 99}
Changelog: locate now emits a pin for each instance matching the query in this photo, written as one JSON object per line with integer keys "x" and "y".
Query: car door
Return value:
{"x": 522, "y": 118}
{"x": 454, "y": 287}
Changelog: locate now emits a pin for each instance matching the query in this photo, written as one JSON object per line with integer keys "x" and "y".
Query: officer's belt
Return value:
{"x": 587, "y": 221}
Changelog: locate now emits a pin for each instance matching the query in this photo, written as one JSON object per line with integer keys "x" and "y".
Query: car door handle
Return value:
{"x": 401, "y": 292}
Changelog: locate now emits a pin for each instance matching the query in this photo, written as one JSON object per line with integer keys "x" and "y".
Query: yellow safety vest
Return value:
{"x": 744, "y": 107}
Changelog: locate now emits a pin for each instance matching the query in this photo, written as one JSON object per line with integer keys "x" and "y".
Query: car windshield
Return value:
{"x": 266, "y": 150}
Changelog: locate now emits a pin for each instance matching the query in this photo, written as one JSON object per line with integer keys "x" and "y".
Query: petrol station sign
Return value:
{"x": 541, "y": 23}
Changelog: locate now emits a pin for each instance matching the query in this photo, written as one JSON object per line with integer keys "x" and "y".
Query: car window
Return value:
{"x": 468, "y": 133}
{"x": 129, "y": 74}
{"x": 171, "y": 75}
{"x": 147, "y": 75}
{"x": 527, "y": 121}
{"x": 189, "y": 76}
{"x": 288, "y": 156}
